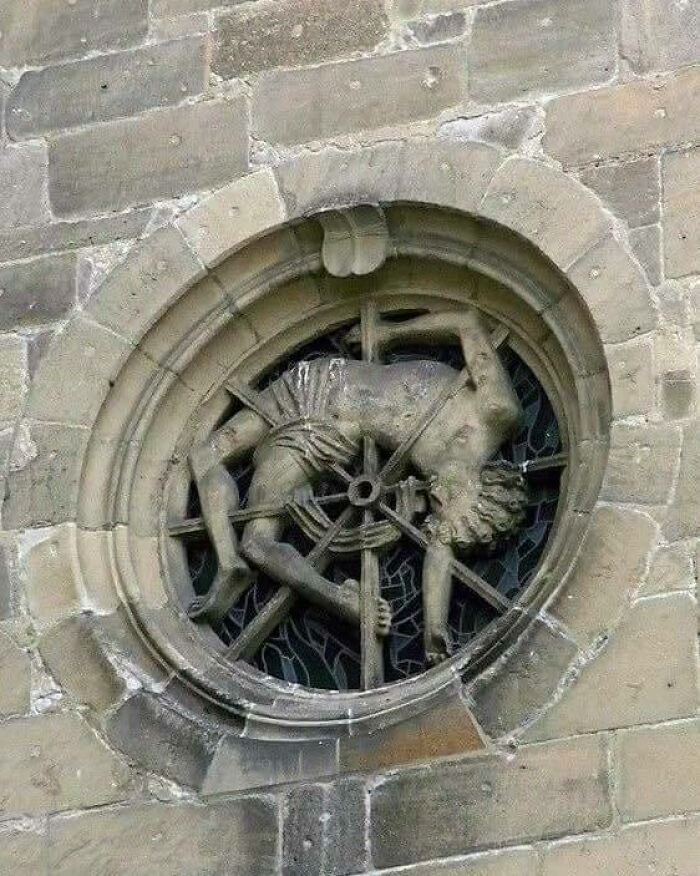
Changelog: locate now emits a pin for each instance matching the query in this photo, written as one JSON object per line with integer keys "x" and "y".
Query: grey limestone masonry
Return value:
{"x": 146, "y": 139}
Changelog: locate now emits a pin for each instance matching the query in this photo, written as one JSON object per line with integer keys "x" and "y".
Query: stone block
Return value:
{"x": 683, "y": 519}
{"x": 36, "y": 31}
{"x": 523, "y": 682}
{"x": 242, "y": 210}
{"x": 402, "y": 10}
{"x": 73, "y": 654}
{"x": 13, "y": 376}
{"x": 646, "y": 245}
{"x": 631, "y": 368}
{"x": 43, "y": 490}
{"x": 5, "y": 585}
{"x": 509, "y": 127}
{"x": 631, "y": 189}
{"x": 104, "y": 88}
{"x": 15, "y": 677}
{"x": 607, "y": 573}
{"x": 671, "y": 569}
{"x": 163, "y": 29}
{"x": 615, "y": 290}
{"x": 439, "y": 28}
{"x": 23, "y": 185}
{"x": 57, "y": 763}
{"x": 659, "y": 771}
{"x": 646, "y": 673}
{"x": 538, "y": 202}
{"x": 24, "y": 852}
{"x": 168, "y": 8}
{"x": 292, "y": 33}
{"x": 25, "y": 243}
{"x": 681, "y": 222}
{"x": 543, "y": 792}
{"x": 670, "y": 849}
{"x": 522, "y": 862}
{"x": 158, "y": 738}
{"x": 540, "y": 46}
{"x": 296, "y": 106}
{"x": 633, "y": 117}
{"x": 38, "y": 291}
{"x": 139, "y": 290}
{"x": 50, "y": 564}
{"x": 160, "y": 154}
{"x": 302, "y": 836}
{"x": 678, "y": 394}
{"x": 241, "y": 763}
{"x": 235, "y": 838}
{"x": 657, "y": 35}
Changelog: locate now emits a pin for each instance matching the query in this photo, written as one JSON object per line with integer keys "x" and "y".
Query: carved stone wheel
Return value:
{"x": 362, "y": 519}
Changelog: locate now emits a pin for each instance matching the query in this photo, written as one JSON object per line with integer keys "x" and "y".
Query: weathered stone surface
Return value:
{"x": 439, "y": 28}
{"x": 659, "y": 771}
{"x": 615, "y": 121}
{"x": 15, "y": 677}
{"x": 608, "y": 571}
{"x": 23, "y": 852}
{"x": 683, "y": 520}
{"x": 240, "y": 211}
{"x": 161, "y": 740}
{"x": 669, "y": 849}
{"x": 37, "y": 291}
{"x": 163, "y": 29}
{"x": 406, "y": 9}
{"x": 73, "y": 655}
{"x": 517, "y": 863}
{"x": 42, "y": 30}
{"x": 627, "y": 683}
{"x": 631, "y": 190}
{"x": 57, "y": 763}
{"x": 508, "y": 127}
{"x": 295, "y": 106}
{"x": 5, "y": 585}
{"x": 235, "y": 838}
{"x": 538, "y": 202}
{"x": 160, "y": 154}
{"x": 678, "y": 394}
{"x": 632, "y": 377}
{"x": 13, "y": 376}
{"x": 23, "y": 185}
{"x": 671, "y": 569}
{"x": 302, "y": 837}
{"x": 681, "y": 222}
{"x": 642, "y": 464}
{"x": 657, "y": 35}
{"x": 292, "y": 33}
{"x": 104, "y": 88}
{"x": 49, "y": 560}
{"x": 24, "y": 243}
{"x": 646, "y": 245}
{"x": 241, "y": 763}
{"x": 524, "y": 683}
{"x": 543, "y": 792}
{"x": 615, "y": 290}
{"x": 538, "y": 46}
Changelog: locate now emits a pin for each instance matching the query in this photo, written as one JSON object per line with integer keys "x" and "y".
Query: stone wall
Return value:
{"x": 118, "y": 118}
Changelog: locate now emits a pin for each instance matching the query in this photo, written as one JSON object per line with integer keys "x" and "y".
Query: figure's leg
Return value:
{"x": 437, "y": 593}
{"x": 218, "y": 497}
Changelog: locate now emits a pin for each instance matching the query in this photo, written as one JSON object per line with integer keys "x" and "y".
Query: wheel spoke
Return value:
{"x": 544, "y": 463}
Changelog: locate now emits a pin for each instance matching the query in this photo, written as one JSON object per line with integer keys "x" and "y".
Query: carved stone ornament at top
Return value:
{"x": 410, "y": 447}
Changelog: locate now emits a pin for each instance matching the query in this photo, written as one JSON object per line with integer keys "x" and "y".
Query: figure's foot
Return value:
{"x": 437, "y": 647}
{"x": 227, "y": 587}
{"x": 383, "y": 616}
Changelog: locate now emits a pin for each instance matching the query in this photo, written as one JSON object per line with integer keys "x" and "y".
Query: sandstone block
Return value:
{"x": 236, "y": 837}
{"x": 518, "y": 863}
{"x": 631, "y": 190}
{"x": 671, "y": 569}
{"x": 678, "y": 394}
{"x": 508, "y": 127}
{"x": 57, "y": 763}
{"x": 641, "y": 464}
{"x": 646, "y": 245}
{"x": 439, "y": 28}
{"x": 607, "y": 573}
{"x": 15, "y": 677}
{"x": 539, "y": 46}
{"x": 296, "y": 106}
{"x": 345, "y": 832}
{"x": 5, "y": 585}
{"x": 24, "y": 851}
{"x": 656, "y": 35}
{"x": 633, "y": 117}
{"x": 104, "y": 88}
{"x": 627, "y": 683}
{"x": 631, "y": 377}
{"x": 34, "y": 31}
{"x": 659, "y": 771}
{"x": 292, "y": 33}
{"x": 302, "y": 839}
{"x": 23, "y": 185}
{"x": 160, "y": 154}
{"x": 49, "y": 560}
{"x": 13, "y": 376}
{"x": 681, "y": 175}
{"x": 662, "y": 849}
{"x": 543, "y": 792}
{"x": 683, "y": 520}
{"x": 37, "y": 291}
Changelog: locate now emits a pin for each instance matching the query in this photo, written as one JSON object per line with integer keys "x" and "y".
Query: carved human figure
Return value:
{"x": 315, "y": 415}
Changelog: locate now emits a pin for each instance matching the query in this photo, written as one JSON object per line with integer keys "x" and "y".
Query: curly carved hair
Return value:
{"x": 493, "y": 516}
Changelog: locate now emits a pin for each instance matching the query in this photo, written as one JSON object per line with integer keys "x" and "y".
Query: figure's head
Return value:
{"x": 477, "y": 509}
